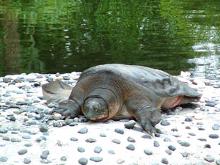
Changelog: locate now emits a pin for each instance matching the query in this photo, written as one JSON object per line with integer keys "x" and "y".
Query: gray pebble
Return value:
{"x": 120, "y": 131}
{"x": 116, "y": 141}
{"x": 210, "y": 103}
{"x": 102, "y": 134}
{"x": 6, "y": 138}
{"x": 11, "y": 117}
{"x": 202, "y": 139}
{"x": 188, "y": 127}
{"x": 26, "y": 161}
{"x": 156, "y": 144}
{"x": 201, "y": 128}
{"x": 26, "y": 136}
{"x": 164, "y": 161}
{"x": 120, "y": 161}
{"x": 188, "y": 119}
{"x": 207, "y": 146}
{"x": 97, "y": 149}
{"x": 90, "y": 140}
{"x": 185, "y": 154}
{"x": 166, "y": 139}
{"x": 7, "y": 79}
{"x": 59, "y": 123}
{"x": 216, "y": 127}
{"x": 111, "y": 152}
{"x": 217, "y": 162}
{"x": 130, "y": 124}
{"x": 209, "y": 158}
{"x": 183, "y": 143}
{"x": 131, "y": 147}
{"x": 213, "y": 136}
{"x": 44, "y": 154}
{"x": 3, "y": 159}
{"x": 146, "y": 136}
{"x": 63, "y": 158}
{"x": 172, "y": 148}
{"x": 22, "y": 151}
{"x": 192, "y": 134}
{"x": 43, "y": 128}
{"x": 73, "y": 139}
{"x": 80, "y": 149}
{"x": 148, "y": 152}
{"x": 83, "y": 161}
{"x": 83, "y": 130}
{"x": 130, "y": 139}
{"x": 28, "y": 145}
{"x": 96, "y": 159}
{"x": 3, "y": 130}
{"x": 164, "y": 123}
{"x": 15, "y": 140}
{"x": 168, "y": 152}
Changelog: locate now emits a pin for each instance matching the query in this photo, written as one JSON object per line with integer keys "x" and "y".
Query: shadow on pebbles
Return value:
{"x": 29, "y": 134}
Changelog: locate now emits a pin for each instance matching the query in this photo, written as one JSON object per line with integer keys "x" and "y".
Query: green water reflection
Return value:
{"x": 50, "y": 36}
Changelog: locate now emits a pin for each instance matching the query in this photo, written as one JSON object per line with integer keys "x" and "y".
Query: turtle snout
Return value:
{"x": 95, "y": 109}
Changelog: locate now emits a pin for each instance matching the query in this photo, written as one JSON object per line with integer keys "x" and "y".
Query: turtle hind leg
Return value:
{"x": 143, "y": 111}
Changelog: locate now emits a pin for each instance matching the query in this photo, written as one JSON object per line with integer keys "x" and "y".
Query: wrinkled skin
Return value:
{"x": 116, "y": 90}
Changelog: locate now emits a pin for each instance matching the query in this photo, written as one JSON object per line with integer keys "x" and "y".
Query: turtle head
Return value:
{"x": 95, "y": 108}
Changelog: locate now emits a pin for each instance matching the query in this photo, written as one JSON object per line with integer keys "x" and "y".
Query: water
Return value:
{"x": 71, "y": 35}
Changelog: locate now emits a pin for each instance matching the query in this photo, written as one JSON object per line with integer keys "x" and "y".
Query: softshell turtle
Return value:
{"x": 121, "y": 91}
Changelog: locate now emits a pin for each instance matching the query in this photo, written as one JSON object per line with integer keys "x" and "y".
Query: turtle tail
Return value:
{"x": 56, "y": 91}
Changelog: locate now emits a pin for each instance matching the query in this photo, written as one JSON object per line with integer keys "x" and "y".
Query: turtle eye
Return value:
{"x": 95, "y": 108}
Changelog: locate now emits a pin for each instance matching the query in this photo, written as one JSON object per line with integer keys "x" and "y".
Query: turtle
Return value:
{"x": 116, "y": 91}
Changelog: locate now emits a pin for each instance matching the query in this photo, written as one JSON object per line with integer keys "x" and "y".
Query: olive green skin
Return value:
{"x": 113, "y": 91}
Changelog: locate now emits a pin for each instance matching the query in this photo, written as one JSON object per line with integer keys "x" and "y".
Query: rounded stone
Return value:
{"x": 192, "y": 134}
{"x": 185, "y": 154}
{"x": 80, "y": 149}
{"x": 44, "y": 154}
{"x": 120, "y": 161}
{"x": 207, "y": 146}
{"x": 26, "y": 161}
{"x": 183, "y": 143}
{"x": 146, "y": 136}
{"x": 188, "y": 119}
{"x": 148, "y": 152}
{"x": 28, "y": 145}
{"x": 116, "y": 141}
{"x": 169, "y": 152}
{"x": 83, "y": 161}
{"x": 90, "y": 140}
{"x": 216, "y": 127}
{"x": 83, "y": 130}
{"x": 213, "y": 136}
{"x": 156, "y": 144}
{"x": 130, "y": 125}
{"x": 63, "y": 158}
{"x": 73, "y": 139}
{"x": 15, "y": 140}
{"x": 130, "y": 139}
{"x": 96, "y": 159}
{"x": 43, "y": 128}
{"x": 97, "y": 149}
{"x": 172, "y": 148}
{"x": 111, "y": 152}
{"x": 120, "y": 131}
{"x": 102, "y": 134}
{"x": 131, "y": 147}
{"x": 209, "y": 158}
{"x": 164, "y": 161}
{"x": 22, "y": 151}
{"x": 3, "y": 130}
{"x": 164, "y": 123}
{"x": 166, "y": 139}
{"x": 3, "y": 159}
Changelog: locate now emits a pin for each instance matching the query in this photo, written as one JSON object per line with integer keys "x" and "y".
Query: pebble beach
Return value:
{"x": 30, "y": 134}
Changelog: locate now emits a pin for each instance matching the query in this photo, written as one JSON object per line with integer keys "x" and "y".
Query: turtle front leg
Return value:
{"x": 147, "y": 115}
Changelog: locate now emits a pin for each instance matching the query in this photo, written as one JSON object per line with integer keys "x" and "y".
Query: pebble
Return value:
{"x": 96, "y": 159}
{"x": 83, "y": 130}
{"x": 183, "y": 143}
{"x": 168, "y": 152}
{"x": 44, "y": 154}
{"x": 73, "y": 139}
{"x": 130, "y": 139}
{"x": 207, "y": 146}
{"x": 97, "y": 149}
{"x": 15, "y": 140}
{"x": 216, "y": 127}
{"x": 172, "y": 148}
{"x": 213, "y": 136}
{"x": 80, "y": 149}
{"x": 146, "y": 136}
{"x": 192, "y": 134}
{"x": 28, "y": 145}
{"x": 22, "y": 151}
{"x": 63, "y": 158}
{"x": 26, "y": 161}
{"x": 3, "y": 130}
{"x": 59, "y": 123}
{"x": 131, "y": 147}
{"x": 130, "y": 124}
{"x": 209, "y": 158}
{"x": 156, "y": 144}
{"x": 164, "y": 161}
{"x": 217, "y": 162}
{"x": 116, "y": 141}
{"x": 83, "y": 161}
{"x": 111, "y": 152}
{"x": 166, "y": 139}
{"x": 43, "y": 128}
{"x": 120, "y": 161}
{"x": 148, "y": 152}
{"x": 188, "y": 119}
{"x": 120, "y": 131}
{"x": 90, "y": 140}
{"x": 3, "y": 159}
{"x": 164, "y": 123}
{"x": 102, "y": 134}
{"x": 185, "y": 154}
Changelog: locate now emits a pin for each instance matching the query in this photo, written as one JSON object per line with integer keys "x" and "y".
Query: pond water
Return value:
{"x": 71, "y": 35}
